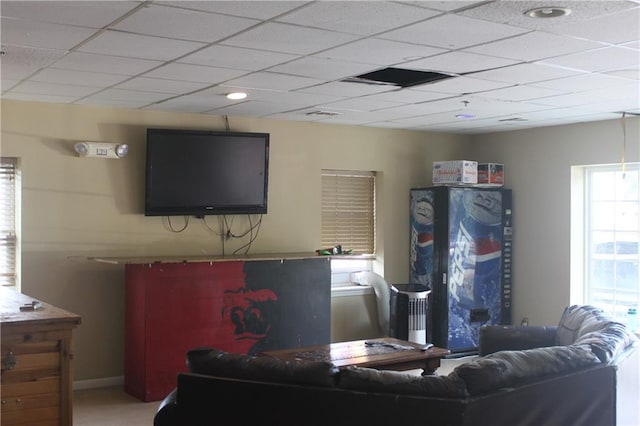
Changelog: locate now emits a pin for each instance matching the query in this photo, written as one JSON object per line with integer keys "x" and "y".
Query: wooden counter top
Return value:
{"x": 245, "y": 257}
{"x": 10, "y": 313}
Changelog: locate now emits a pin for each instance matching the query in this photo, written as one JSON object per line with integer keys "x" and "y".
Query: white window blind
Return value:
{"x": 8, "y": 234}
{"x": 348, "y": 210}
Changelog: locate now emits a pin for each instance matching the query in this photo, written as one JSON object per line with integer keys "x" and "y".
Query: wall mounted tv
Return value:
{"x": 195, "y": 172}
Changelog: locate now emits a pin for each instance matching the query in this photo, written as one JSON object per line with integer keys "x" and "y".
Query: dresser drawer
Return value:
{"x": 30, "y": 403}
{"x": 30, "y": 361}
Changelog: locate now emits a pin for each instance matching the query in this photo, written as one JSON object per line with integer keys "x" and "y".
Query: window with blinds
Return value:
{"x": 348, "y": 210}
{"x": 8, "y": 222}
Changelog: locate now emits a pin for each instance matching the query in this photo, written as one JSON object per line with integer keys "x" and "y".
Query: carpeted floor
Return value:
{"x": 111, "y": 407}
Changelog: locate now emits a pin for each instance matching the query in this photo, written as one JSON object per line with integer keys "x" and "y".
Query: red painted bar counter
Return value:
{"x": 245, "y": 306}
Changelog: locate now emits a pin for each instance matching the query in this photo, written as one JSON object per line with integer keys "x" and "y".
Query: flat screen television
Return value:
{"x": 196, "y": 172}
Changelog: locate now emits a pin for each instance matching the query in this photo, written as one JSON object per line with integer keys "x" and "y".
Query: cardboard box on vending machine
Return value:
{"x": 457, "y": 172}
{"x": 491, "y": 174}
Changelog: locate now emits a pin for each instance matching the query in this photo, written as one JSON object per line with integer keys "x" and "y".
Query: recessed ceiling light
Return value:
{"x": 548, "y": 12}
{"x": 236, "y": 96}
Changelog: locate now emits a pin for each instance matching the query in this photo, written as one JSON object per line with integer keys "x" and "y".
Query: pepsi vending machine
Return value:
{"x": 461, "y": 249}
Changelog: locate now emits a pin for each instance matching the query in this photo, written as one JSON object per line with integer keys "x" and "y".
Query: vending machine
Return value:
{"x": 461, "y": 250}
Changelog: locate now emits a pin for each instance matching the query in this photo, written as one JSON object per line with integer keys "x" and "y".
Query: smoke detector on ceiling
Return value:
{"x": 548, "y": 12}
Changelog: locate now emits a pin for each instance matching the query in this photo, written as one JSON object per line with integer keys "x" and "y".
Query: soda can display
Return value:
{"x": 475, "y": 264}
{"x": 421, "y": 240}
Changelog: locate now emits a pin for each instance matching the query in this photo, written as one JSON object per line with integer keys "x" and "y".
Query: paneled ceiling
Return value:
{"x": 499, "y": 69}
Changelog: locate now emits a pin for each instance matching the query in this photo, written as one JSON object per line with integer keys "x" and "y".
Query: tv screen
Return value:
{"x": 195, "y": 172}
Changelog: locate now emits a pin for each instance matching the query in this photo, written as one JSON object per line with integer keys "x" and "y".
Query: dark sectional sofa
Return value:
{"x": 584, "y": 371}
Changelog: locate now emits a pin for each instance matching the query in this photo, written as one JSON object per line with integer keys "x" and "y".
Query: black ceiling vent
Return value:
{"x": 398, "y": 77}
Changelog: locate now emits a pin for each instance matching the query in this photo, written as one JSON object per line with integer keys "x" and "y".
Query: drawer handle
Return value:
{"x": 10, "y": 361}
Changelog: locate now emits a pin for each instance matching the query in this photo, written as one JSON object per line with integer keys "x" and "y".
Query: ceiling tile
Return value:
{"x": 305, "y": 114}
{"x": 534, "y": 46}
{"x": 132, "y": 97}
{"x": 41, "y": 34}
{"x": 183, "y": 24}
{"x": 194, "y": 73}
{"x": 386, "y": 52}
{"x": 300, "y": 99}
{"x": 628, "y": 95}
{"x": 53, "y": 89}
{"x": 201, "y": 101}
{"x": 357, "y": 17}
{"x": 338, "y": 88}
{"x": 426, "y": 108}
{"x": 607, "y": 58}
{"x": 251, "y": 108}
{"x": 360, "y": 104}
{"x": 288, "y": 39}
{"x": 160, "y": 85}
{"x": 81, "y": 78}
{"x": 322, "y": 68}
{"x": 632, "y": 45}
{"x": 93, "y": 14}
{"x": 7, "y": 83}
{"x": 461, "y": 85}
{"x": 458, "y": 63}
{"x": 452, "y": 32}
{"x": 249, "y": 9}
{"x": 103, "y": 63}
{"x": 139, "y": 46}
{"x": 525, "y": 73}
{"x": 20, "y": 62}
{"x": 521, "y": 93}
{"x": 631, "y": 73}
{"x": 273, "y": 81}
{"x": 237, "y": 57}
{"x": 621, "y": 27}
{"x": 407, "y": 96}
{"x": 582, "y": 82}
{"x": 113, "y": 103}
{"x": 185, "y": 104}
{"x": 39, "y": 97}
{"x": 444, "y": 5}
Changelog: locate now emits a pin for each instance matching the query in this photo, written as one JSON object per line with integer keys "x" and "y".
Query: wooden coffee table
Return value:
{"x": 386, "y": 353}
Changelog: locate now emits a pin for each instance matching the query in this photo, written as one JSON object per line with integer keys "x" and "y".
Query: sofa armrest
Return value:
{"x": 167, "y": 411}
{"x": 494, "y": 338}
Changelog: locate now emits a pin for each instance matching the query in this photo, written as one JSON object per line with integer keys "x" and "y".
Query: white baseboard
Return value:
{"x": 104, "y": 382}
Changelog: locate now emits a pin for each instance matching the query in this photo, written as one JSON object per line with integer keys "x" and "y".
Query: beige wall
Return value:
{"x": 538, "y": 169}
{"x": 77, "y": 207}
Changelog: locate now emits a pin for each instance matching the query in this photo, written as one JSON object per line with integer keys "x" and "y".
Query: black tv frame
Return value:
{"x": 204, "y": 209}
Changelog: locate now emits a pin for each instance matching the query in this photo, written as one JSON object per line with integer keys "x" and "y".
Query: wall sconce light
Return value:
{"x": 101, "y": 149}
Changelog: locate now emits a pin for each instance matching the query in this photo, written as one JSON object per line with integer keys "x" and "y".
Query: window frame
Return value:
{"x": 587, "y": 261}
{"x": 342, "y": 267}
{"x": 10, "y": 222}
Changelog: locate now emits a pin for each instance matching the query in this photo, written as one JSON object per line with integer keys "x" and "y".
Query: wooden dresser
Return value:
{"x": 36, "y": 385}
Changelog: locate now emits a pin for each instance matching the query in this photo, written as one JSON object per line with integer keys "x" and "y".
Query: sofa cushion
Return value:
{"x": 216, "y": 362}
{"x": 397, "y": 382}
{"x": 588, "y": 325}
{"x": 510, "y": 368}
{"x": 577, "y": 320}
{"x": 608, "y": 342}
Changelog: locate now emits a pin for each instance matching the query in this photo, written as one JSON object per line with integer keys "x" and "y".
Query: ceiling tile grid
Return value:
{"x": 298, "y": 60}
